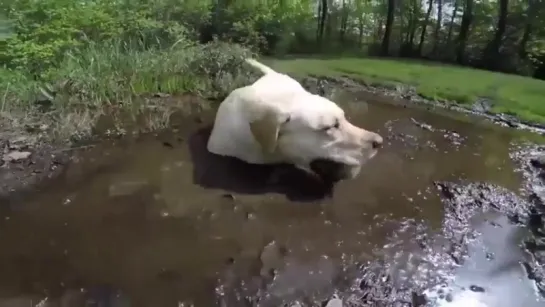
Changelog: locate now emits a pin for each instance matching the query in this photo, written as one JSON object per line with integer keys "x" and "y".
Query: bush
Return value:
{"x": 113, "y": 73}
{"x": 118, "y": 75}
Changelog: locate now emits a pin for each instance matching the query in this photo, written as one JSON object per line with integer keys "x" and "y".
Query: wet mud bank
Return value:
{"x": 29, "y": 160}
{"x": 405, "y": 94}
{"x": 26, "y": 164}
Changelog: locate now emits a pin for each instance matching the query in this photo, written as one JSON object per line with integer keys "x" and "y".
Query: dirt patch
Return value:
{"x": 27, "y": 162}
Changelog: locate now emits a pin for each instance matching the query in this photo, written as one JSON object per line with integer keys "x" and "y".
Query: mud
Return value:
{"x": 450, "y": 213}
{"x": 27, "y": 164}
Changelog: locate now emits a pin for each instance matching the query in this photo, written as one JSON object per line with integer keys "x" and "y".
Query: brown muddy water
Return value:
{"x": 157, "y": 221}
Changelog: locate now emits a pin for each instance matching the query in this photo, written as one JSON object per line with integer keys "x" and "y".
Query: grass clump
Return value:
{"x": 512, "y": 94}
{"x": 114, "y": 77}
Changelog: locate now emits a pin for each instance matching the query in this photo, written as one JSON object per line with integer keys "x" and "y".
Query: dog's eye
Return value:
{"x": 336, "y": 125}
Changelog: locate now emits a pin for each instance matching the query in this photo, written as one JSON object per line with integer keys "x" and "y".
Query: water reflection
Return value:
{"x": 492, "y": 276}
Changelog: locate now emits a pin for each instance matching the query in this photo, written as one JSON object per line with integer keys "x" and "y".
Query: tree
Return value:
{"x": 437, "y": 26}
{"x": 467, "y": 19}
{"x": 491, "y": 55}
{"x": 388, "y": 31}
{"x": 497, "y": 35}
{"x": 451, "y": 24}
{"x": 424, "y": 26}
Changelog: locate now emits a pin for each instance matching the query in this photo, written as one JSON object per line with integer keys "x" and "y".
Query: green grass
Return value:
{"x": 520, "y": 96}
{"x": 119, "y": 81}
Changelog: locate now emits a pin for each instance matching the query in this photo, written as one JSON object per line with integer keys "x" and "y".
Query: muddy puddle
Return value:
{"x": 157, "y": 221}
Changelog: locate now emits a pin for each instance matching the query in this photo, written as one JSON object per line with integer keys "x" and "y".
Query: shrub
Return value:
{"x": 118, "y": 75}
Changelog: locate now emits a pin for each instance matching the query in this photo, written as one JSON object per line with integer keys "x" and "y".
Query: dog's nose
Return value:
{"x": 377, "y": 142}
{"x": 370, "y": 140}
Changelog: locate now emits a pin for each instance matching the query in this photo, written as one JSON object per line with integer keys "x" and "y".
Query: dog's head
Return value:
{"x": 313, "y": 133}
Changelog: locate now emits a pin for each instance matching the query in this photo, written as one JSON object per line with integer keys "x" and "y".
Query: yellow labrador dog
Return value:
{"x": 275, "y": 120}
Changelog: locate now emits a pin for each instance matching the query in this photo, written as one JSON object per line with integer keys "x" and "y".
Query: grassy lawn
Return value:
{"x": 516, "y": 95}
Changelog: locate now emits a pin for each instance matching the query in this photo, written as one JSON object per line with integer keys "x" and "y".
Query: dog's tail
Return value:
{"x": 262, "y": 67}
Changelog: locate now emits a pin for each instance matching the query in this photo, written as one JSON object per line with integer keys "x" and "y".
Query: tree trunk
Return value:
{"x": 388, "y": 31}
{"x": 380, "y": 28}
{"x": 524, "y": 40}
{"x": 467, "y": 19}
{"x": 492, "y": 52}
{"x": 344, "y": 22}
{"x": 531, "y": 14}
{"x": 424, "y": 27}
{"x": 360, "y": 30}
{"x": 321, "y": 21}
{"x": 437, "y": 26}
{"x": 414, "y": 22}
{"x": 328, "y": 22}
{"x": 454, "y": 12}
{"x": 318, "y": 23}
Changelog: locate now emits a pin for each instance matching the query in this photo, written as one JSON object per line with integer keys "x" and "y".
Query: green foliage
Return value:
{"x": 85, "y": 55}
{"x": 113, "y": 73}
{"x": 46, "y": 29}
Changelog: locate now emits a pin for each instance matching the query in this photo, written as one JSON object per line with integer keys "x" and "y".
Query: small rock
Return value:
{"x": 422, "y": 125}
{"x": 16, "y": 156}
{"x": 538, "y": 161}
{"x": 335, "y": 302}
{"x": 161, "y": 95}
{"x": 418, "y": 300}
{"x": 482, "y": 105}
{"x": 250, "y": 216}
{"x": 168, "y": 144}
{"x": 271, "y": 259}
{"x": 19, "y": 143}
{"x": 228, "y": 196}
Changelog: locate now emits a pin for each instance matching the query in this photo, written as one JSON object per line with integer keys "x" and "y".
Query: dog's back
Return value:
{"x": 272, "y": 81}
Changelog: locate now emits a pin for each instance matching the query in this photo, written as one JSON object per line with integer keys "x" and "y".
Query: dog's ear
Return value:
{"x": 266, "y": 126}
